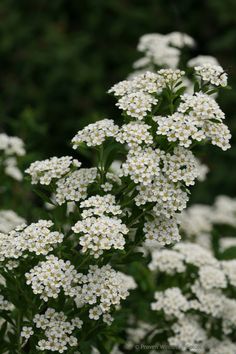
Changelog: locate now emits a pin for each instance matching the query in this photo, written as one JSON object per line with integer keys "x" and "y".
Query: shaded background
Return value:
{"x": 58, "y": 59}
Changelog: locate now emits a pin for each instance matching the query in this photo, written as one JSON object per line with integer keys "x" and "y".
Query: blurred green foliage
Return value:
{"x": 58, "y": 58}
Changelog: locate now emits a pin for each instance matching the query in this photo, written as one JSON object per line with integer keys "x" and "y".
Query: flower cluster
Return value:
{"x": 50, "y": 276}
{"x": 9, "y": 220}
{"x": 206, "y": 293}
{"x": 45, "y": 171}
{"x": 11, "y": 147}
{"x": 105, "y": 288}
{"x": 162, "y": 50}
{"x": 171, "y": 301}
{"x": 74, "y": 186}
{"x": 142, "y": 165}
{"x": 100, "y": 205}
{"x": 94, "y": 134}
{"x": 163, "y": 231}
{"x": 36, "y": 238}
{"x": 198, "y": 221}
{"x": 57, "y": 331}
{"x": 135, "y": 134}
{"x": 137, "y": 104}
{"x": 213, "y": 74}
{"x": 182, "y": 165}
{"x": 198, "y": 118}
{"x": 99, "y": 231}
{"x": 4, "y": 304}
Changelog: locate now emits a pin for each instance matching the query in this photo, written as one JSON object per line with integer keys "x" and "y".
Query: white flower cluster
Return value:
{"x": 9, "y": 220}
{"x": 105, "y": 288}
{"x": 171, "y": 301}
{"x": 161, "y": 231}
{"x": 50, "y": 276}
{"x": 229, "y": 268}
{"x": 147, "y": 82}
{"x": 4, "y": 304}
{"x": 198, "y": 118}
{"x": 74, "y": 186}
{"x": 211, "y": 277}
{"x": 182, "y": 165}
{"x": 162, "y": 50}
{"x": 11, "y": 169}
{"x": 224, "y": 210}
{"x": 11, "y": 145}
{"x": 208, "y": 295}
{"x": 200, "y": 107}
{"x": 198, "y": 221}
{"x": 45, "y": 171}
{"x": 142, "y": 166}
{"x": 136, "y": 335}
{"x": 36, "y": 238}
{"x": 188, "y": 335}
{"x": 167, "y": 261}
{"x": 135, "y": 134}
{"x": 213, "y": 74}
{"x": 170, "y": 76}
{"x": 216, "y": 346}
{"x": 100, "y": 205}
{"x": 94, "y": 134}
{"x": 168, "y": 196}
{"x": 101, "y": 233}
{"x": 201, "y": 60}
{"x": 57, "y": 331}
{"x": 137, "y": 104}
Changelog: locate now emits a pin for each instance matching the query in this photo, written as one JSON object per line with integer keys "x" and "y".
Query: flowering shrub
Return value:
{"x": 70, "y": 270}
{"x": 193, "y": 305}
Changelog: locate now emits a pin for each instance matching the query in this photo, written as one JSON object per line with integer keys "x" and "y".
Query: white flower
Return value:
{"x": 212, "y": 73}
{"x": 229, "y": 268}
{"x": 96, "y": 133}
{"x": 101, "y": 233}
{"x": 137, "y": 104}
{"x": 104, "y": 288}
{"x": 74, "y": 186}
{"x": 5, "y": 305}
{"x": 135, "y": 134}
{"x": 203, "y": 59}
{"x": 11, "y": 145}
{"x": 9, "y": 220}
{"x": 182, "y": 165}
{"x": 188, "y": 335}
{"x": 167, "y": 261}
{"x": 27, "y": 332}
{"x": 57, "y": 330}
{"x": 167, "y": 196}
{"x": 50, "y": 276}
{"x": 198, "y": 118}
{"x": 163, "y": 231}
{"x": 45, "y": 171}
{"x": 171, "y": 301}
{"x": 211, "y": 277}
{"x": 36, "y": 238}
{"x": 142, "y": 165}
{"x": 100, "y": 205}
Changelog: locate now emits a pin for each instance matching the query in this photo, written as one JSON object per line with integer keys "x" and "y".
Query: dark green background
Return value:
{"x": 58, "y": 58}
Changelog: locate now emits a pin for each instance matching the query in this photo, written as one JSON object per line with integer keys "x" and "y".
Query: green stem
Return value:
{"x": 18, "y": 331}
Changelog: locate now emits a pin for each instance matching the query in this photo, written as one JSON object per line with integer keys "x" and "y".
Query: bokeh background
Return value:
{"x": 58, "y": 59}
